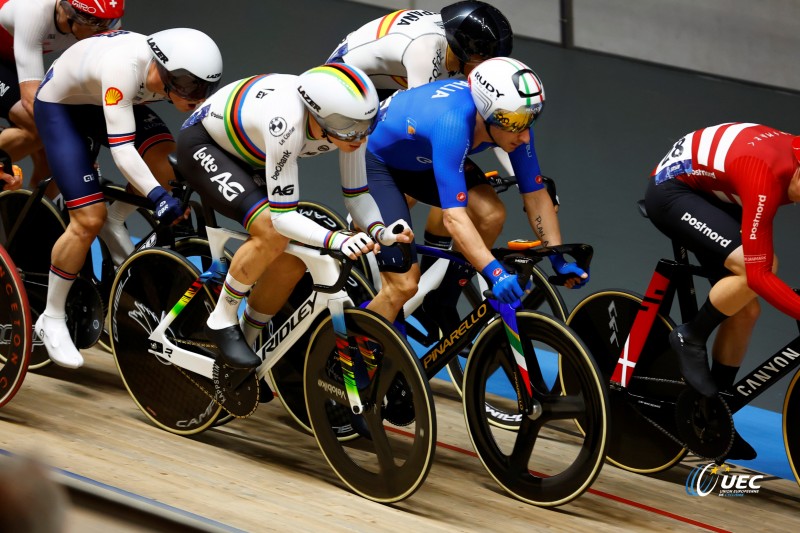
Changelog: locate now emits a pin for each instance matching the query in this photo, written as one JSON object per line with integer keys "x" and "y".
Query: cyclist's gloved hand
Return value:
{"x": 504, "y": 284}
{"x": 354, "y": 244}
{"x": 168, "y": 209}
{"x": 388, "y": 235}
{"x": 566, "y": 268}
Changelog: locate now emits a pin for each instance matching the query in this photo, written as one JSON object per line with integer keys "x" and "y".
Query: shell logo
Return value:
{"x": 113, "y": 96}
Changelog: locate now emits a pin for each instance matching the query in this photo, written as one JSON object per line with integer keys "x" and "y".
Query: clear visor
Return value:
{"x": 346, "y": 128}
{"x": 85, "y": 19}
{"x": 185, "y": 84}
{"x": 515, "y": 121}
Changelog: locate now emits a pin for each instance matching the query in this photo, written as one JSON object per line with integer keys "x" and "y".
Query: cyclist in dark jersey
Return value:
{"x": 420, "y": 149}
{"x": 716, "y": 192}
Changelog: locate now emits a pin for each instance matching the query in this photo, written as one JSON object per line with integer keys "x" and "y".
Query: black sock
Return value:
{"x": 436, "y": 241}
{"x": 700, "y": 327}
{"x": 723, "y": 375}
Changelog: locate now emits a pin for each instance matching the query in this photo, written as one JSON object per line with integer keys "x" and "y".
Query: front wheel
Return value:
{"x": 604, "y": 320}
{"x": 148, "y": 286}
{"x": 540, "y": 296}
{"x": 791, "y": 431}
{"x": 544, "y": 462}
{"x": 398, "y": 425}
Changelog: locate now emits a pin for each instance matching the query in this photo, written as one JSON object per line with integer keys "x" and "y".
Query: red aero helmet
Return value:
{"x": 101, "y": 14}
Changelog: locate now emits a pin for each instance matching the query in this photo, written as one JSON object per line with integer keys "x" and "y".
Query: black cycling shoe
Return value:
{"x": 693, "y": 362}
{"x": 233, "y": 348}
{"x": 741, "y": 449}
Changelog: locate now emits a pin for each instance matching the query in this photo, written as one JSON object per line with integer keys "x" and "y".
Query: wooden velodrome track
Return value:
{"x": 263, "y": 474}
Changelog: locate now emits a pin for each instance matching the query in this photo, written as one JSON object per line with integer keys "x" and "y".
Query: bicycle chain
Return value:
{"x": 214, "y": 396}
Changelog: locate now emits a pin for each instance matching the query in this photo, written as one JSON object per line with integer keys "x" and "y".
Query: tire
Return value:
{"x": 287, "y": 374}
{"x": 562, "y": 464}
{"x": 16, "y": 328}
{"x": 32, "y": 261}
{"x": 392, "y": 462}
{"x": 146, "y": 287}
{"x": 543, "y": 297}
{"x": 791, "y": 431}
{"x": 604, "y": 320}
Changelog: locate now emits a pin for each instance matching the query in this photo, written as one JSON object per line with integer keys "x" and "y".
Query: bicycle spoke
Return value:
{"x": 563, "y": 407}
{"x": 524, "y": 444}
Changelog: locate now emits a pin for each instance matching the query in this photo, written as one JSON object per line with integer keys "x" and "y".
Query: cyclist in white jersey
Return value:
{"x": 265, "y": 123}
{"x": 95, "y": 90}
{"x": 29, "y": 30}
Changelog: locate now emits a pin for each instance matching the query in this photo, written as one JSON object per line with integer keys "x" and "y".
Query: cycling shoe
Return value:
{"x": 693, "y": 362}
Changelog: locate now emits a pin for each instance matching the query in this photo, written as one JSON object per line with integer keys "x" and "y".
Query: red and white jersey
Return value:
{"x": 401, "y": 50}
{"x": 28, "y": 31}
{"x": 110, "y": 70}
{"x": 750, "y": 165}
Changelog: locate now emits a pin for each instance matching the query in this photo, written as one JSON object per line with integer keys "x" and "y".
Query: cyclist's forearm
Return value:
{"x": 133, "y": 167}
{"x": 466, "y": 238}
{"x": 542, "y": 217}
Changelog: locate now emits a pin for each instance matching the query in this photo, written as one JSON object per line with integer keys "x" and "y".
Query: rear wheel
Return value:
{"x": 604, "y": 320}
{"x": 398, "y": 422}
{"x": 43, "y": 225}
{"x": 545, "y": 461}
{"x": 146, "y": 288}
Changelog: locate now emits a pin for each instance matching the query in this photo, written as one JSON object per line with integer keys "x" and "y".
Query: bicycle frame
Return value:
{"x": 676, "y": 277}
{"x": 328, "y": 279}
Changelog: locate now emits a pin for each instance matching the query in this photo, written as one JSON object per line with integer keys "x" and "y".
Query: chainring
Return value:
{"x": 85, "y": 313}
{"x": 398, "y": 407}
{"x": 705, "y": 425}
{"x": 235, "y": 390}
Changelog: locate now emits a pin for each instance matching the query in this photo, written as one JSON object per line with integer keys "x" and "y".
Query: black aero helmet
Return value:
{"x": 476, "y": 28}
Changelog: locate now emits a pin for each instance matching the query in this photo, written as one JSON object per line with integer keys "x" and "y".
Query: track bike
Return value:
{"x": 657, "y": 417}
{"x": 356, "y": 365}
{"x": 16, "y": 330}
{"x": 512, "y": 376}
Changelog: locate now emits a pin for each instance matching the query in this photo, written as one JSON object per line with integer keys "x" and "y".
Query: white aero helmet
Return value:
{"x": 188, "y": 61}
{"x": 341, "y": 98}
{"x": 507, "y": 93}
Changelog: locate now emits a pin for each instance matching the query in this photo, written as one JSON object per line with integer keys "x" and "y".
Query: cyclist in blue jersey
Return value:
{"x": 420, "y": 149}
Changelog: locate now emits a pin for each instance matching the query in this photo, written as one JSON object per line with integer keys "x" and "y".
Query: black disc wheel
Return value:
{"x": 604, "y": 320}
{"x": 392, "y": 460}
{"x": 545, "y": 461}
{"x": 147, "y": 287}
{"x": 43, "y": 225}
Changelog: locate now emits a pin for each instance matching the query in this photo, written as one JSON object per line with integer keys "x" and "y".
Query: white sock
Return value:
{"x": 226, "y": 313}
{"x": 58, "y": 285}
{"x": 252, "y": 323}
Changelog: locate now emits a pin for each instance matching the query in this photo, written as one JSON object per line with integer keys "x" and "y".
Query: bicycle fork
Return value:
{"x": 524, "y": 358}
{"x": 352, "y": 357}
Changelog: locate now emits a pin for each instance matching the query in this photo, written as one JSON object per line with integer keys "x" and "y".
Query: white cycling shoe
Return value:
{"x": 56, "y": 339}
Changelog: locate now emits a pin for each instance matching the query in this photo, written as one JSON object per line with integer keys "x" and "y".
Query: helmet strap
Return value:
{"x": 489, "y": 132}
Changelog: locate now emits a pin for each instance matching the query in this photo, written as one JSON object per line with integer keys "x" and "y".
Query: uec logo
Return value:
{"x": 703, "y": 480}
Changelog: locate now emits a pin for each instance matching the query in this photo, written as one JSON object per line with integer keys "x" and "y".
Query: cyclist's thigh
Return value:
{"x": 706, "y": 226}
{"x": 223, "y": 181}
{"x": 10, "y": 83}
{"x": 62, "y": 129}
{"x": 150, "y": 129}
{"x": 384, "y": 188}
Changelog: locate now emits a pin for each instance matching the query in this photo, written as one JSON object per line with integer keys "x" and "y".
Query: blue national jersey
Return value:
{"x": 431, "y": 127}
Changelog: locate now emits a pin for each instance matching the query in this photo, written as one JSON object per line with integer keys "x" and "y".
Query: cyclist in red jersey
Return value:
{"x": 716, "y": 192}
